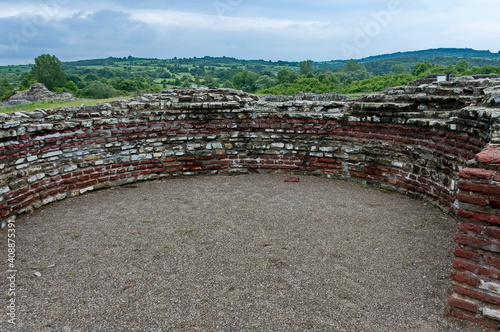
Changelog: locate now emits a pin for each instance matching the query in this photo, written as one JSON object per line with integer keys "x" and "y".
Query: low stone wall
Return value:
{"x": 433, "y": 141}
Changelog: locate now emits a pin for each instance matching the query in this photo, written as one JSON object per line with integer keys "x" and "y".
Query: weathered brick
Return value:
{"x": 467, "y": 254}
{"x": 458, "y": 301}
{"x": 473, "y": 199}
{"x": 476, "y": 173}
{"x": 493, "y": 232}
{"x": 465, "y": 227}
{"x": 493, "y": 262}
{"x": 495, "y": 203}
{"x": 473, "y": 317}
{"x": 494, "y": 219}
{"x": 465, "y": 278}
{"x": 490, "y": 155}
{"x": 476, "y": 242}
{"x": 475, "y": 294}
{"x": 485, "y": 189}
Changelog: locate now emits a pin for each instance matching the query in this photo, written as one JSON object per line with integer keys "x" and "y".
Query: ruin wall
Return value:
{"x": 440, "y": 142}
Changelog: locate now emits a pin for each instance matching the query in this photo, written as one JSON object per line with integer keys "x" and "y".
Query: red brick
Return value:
{"x": 465, "y": 278}
{"x": 472, "y": 199}
{"x": 493, "y": 262}
{"x": 476, "y": 173}
{"x": 462, "y": 303}
{"x": 477, "y": 243}
{"x": 489, "y": 272}
{"x": 494, "y": 219}
{"x": 485, "y": 189}
{"x": 476, "y": 295}
{"x": 493, "y": 232}
{"x": 468, "y": 255}
{"x": 495, "y": 203}
{"x": 465, "y": 266}
{"x": 472, "y": 317}
{"x": 464, "y": 227}
{"x": 497, "y": 177}
{"x": 490, "y": 155}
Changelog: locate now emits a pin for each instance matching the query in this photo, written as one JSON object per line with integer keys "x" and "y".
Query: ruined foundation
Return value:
{"x": 440, "y": 142}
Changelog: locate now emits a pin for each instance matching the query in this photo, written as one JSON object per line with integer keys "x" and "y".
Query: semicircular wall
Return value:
{"x": 434, "y": 141}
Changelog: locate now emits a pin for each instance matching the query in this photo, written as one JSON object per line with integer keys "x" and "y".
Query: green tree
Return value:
{"x": 461, "y": 66}
{"x": 245, "y": 81}
{"x": 6, "y": 89}
{"x": 312, "y": 85}
{"x": 210, "y": 81}
{"x": 47, "y": 70}
{"x": 352, "y": 66}
{"x": 71, "y": 87}
{"x": 353, "y": 71}
{"x": 264, "y": 82}
{"x": 27, "y": 81}
{"x": 422, "y": 69}
{"x": 306, "y": 67}
{"x": 283, "y": 76}
{"x": 398, "y": 69}
{"x": 99, "y": 90}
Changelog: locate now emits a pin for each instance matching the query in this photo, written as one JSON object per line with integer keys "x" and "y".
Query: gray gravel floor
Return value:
{"x": 241, "y": 253}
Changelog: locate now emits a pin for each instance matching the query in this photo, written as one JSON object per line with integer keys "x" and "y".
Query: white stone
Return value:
{"x": 70, "y": 168}
{"x": 52, "y": 154}
{"x": 491, "y": 313}
{"x": 141, "y": 156}
{"x": 61, "y": 196}
{"x": 36, "y": 177}
{"x": 397, "y": 164}
{"x": 84, "y": 190}
{"x": 48, "y": 200}
{"x": 490, "y": 286}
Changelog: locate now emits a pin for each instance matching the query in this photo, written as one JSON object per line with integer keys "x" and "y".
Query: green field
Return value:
{"x": 111, "y": 77}
{"x": 55, "y": 104}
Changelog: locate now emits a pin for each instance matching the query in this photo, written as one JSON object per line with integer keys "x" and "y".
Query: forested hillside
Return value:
{"x": 103, "y": 78}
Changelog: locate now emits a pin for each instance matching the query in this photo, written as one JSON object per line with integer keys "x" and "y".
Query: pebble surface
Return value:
{"x": 235, "y": 253}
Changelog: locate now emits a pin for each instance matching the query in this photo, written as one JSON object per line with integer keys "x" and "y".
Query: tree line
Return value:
{"x": 111, "y": 77}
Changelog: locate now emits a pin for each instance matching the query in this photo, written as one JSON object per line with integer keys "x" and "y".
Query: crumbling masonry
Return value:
{"x": 438, "y": 141}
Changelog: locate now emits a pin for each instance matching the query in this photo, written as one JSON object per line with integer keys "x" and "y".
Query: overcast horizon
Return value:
{"x": 291, "y": 30}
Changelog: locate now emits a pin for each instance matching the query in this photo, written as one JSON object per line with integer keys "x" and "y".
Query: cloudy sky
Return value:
{"x": 289, "y": 30}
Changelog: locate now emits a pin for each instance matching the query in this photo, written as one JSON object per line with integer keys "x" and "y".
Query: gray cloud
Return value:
{"x": 286, "y": 30}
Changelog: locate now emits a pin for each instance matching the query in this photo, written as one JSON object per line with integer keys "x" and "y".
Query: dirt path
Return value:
{"x": 244, "y": 253}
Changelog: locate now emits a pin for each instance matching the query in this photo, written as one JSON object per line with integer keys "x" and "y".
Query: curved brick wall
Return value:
{"x": 432, "y": 141}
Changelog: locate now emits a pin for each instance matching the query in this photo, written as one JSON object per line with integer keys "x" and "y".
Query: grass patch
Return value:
{"x": 56, "y": 104}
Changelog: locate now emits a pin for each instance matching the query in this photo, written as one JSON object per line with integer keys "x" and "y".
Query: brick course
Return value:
{"x": 448, "y": 156}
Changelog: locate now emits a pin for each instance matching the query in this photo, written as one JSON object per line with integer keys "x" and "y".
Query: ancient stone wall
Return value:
{"x": 434, "y": 141}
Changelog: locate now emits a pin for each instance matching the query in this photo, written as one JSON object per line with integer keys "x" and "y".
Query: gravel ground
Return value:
{"x": 241, "y": 253}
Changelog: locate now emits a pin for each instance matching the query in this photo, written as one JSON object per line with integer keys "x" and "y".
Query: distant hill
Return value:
{"x": 430, "y": 54}
{"x": 381, "y": 64}
{"x": 129, "y": 75}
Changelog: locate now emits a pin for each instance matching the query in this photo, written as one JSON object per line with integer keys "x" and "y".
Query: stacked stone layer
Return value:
{"x": 436, "y": 141}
